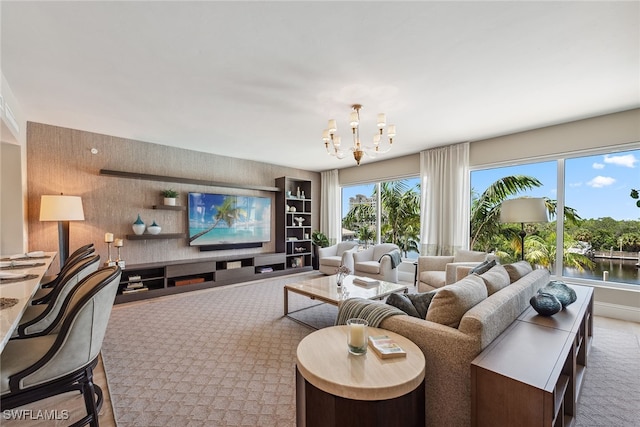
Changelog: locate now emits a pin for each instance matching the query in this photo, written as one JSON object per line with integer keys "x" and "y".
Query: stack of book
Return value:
{"x": 265, "y": 269}
{"x": 385, "y": 347}
{"x": 365, "y": 281}
{"x": 134, "y": 287}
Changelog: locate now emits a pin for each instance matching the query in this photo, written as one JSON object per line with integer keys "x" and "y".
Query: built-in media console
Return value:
{"x": 141, "y": 281}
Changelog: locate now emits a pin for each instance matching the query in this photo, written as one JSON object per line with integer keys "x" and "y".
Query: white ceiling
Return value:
{"x": 258, "y": 80}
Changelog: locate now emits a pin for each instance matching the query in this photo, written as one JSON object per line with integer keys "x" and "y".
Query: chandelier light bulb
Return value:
{"x": 337, "y": 141}
{"x": 391, "y": 131}
{"x": 353, "y": 119}
{"x": 382, "y": 120}
{"x": 332, "y": 126}
{"x": 376, "y": 140}
{"x": 325, "y": 135}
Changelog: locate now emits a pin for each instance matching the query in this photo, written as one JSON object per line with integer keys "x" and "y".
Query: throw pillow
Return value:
{"x": 495, "y": 279}
{"x": 483, "y": 267}
{"x": 451, "y": 302}
{"x": 415, "y": 305}
{"x": 517, "y": 270}
{"x": 402, "y": 302}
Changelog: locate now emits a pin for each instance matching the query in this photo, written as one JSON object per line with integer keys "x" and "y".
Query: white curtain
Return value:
{"x": 445, "y": 201}
{"x": 330, "y": 218}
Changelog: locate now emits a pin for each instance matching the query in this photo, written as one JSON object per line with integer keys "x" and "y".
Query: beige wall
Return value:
{"x": 11, "y": 219}
{"x": 604, "y": 131}
{"x": 60, "y": 161}
{"x": 13, "y": 183}
{"x": 595, "y": 133}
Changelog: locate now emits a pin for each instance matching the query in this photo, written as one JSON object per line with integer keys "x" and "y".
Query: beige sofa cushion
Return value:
{"x": 517, "y": 270}
{"x": 453, "y": 301}
{"x": 463, "y": 255}
{"x": 495, "y": 279}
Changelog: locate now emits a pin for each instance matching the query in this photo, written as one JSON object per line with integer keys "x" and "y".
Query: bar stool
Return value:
{"x": 53, "y": 363}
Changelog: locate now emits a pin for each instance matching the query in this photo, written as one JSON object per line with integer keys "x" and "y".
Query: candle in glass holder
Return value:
{"x": 118, "y": 243}
{"x": 108, "y": 237}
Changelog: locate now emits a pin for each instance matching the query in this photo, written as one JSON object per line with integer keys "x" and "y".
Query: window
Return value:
{"x": 599, "y": 233}
{"x": 386, "y": 212}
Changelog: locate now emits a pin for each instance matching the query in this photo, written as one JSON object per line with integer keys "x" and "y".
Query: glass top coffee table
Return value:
{"x": 326, "y": 290}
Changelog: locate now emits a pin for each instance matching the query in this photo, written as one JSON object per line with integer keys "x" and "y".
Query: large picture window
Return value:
{"x": 383, "y": 212}
{"x": 598, "y": 235}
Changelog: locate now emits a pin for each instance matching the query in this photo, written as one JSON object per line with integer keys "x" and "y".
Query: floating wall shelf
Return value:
{"x": 169, "y": 207}
{"x": 163, "y": 178}
{"x": 156, "y": 236}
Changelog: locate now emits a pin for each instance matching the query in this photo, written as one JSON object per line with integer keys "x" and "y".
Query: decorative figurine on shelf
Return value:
{"x": 154, "y": 228}
{"x": 300, "y": 220}
{"x": 118, "y": 243}
{"x": 138, "y": 226}
{"x": 302, "y": 195}
{"x": 298, "y": 193}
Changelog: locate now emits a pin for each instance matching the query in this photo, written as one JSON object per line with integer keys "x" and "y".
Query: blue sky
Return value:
{"x": 596, "y": 186}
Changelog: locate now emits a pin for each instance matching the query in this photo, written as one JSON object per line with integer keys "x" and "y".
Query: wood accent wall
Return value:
{"x": 59, "y": 160}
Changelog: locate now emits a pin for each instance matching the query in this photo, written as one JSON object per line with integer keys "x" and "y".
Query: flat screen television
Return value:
{"x": 227, "y": 220}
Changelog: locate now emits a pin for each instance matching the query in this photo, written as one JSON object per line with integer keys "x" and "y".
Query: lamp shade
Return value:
{"x": 61, "y": 208}
{"x": 524, "y": 209}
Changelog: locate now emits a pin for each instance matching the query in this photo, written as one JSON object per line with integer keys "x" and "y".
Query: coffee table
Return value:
{"x": 325, "y": 289}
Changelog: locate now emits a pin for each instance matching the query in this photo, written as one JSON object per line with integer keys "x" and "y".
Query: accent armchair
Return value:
{"x": 437, "y": 271}
{"x": 332, "y": 257}
{"x": 371, "y": 262}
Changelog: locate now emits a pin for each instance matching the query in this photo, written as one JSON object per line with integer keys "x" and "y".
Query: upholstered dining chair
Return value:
{"x": 62, "y": 359}
{"x": 77, "y": 255}
{"x": 37, "y": 318}
{"x": 71, "y": 277}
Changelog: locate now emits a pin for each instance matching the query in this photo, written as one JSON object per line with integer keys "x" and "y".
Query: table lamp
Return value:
{"x": 62, "y": 209}
{"x": 523, "y": 210}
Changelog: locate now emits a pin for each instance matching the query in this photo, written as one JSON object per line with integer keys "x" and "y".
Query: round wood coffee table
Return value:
{"x": 336, "y": 388}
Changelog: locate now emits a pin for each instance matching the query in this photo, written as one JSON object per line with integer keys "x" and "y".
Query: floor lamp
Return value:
{"x": 523, "y": 210}
{"x": 62, "y": 209}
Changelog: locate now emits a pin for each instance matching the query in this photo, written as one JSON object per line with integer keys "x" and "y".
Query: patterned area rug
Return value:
{"x": 611, "y": 391}
{"x": 218, "y": 357}
{"x": 226, "y": 357}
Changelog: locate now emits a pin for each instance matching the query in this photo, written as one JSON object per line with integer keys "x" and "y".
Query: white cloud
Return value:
{"x": 575, "y": 184}
{"x": 601, "y": 181}
{"x": 598, "y": 166}
{"x": 628, "y": 160}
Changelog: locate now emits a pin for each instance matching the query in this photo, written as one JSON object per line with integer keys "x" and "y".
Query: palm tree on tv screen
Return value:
{"x": 227, "y": 212}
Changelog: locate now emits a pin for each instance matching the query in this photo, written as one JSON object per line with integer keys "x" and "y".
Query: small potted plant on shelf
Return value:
{"x": 169, "y": 197}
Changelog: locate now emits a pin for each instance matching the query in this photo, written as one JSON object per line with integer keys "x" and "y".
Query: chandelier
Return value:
{"x": 332, "y": 142}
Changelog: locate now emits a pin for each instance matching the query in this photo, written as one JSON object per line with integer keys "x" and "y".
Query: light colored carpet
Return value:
{"x": 611, "y": 391}
{"x": 226, "y": 357}
{"x": 219, "y": 357}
